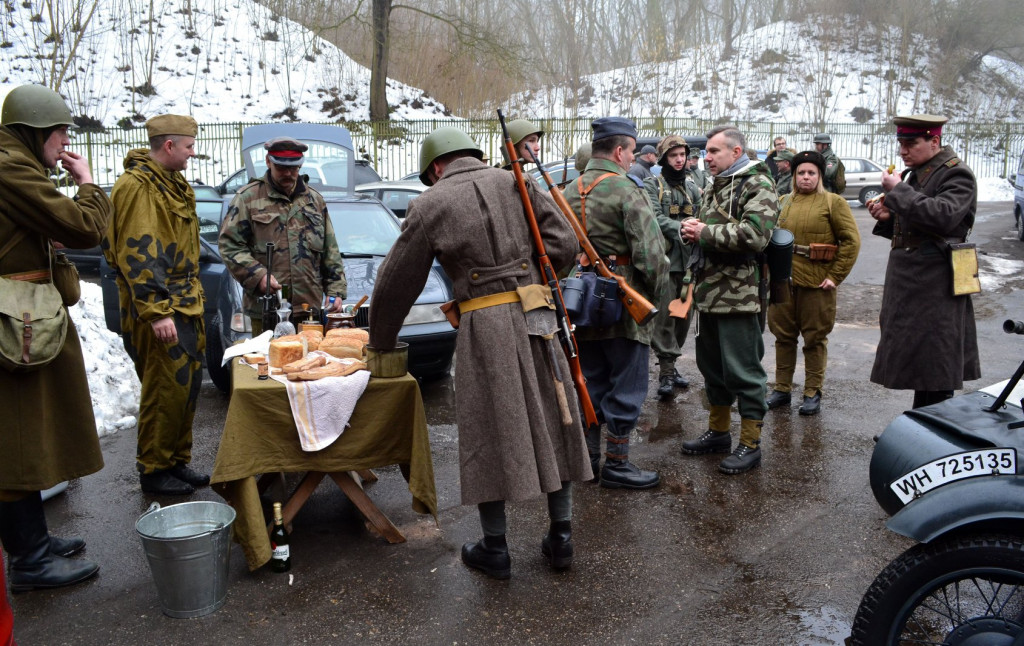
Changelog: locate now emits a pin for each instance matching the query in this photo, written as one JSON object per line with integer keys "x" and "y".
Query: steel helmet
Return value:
{"x": 521, "y": 128}
{"x": 444, "y": 140}
{"x": 822, "y": 139}
{"x": 668, "y": 143}
{"x": 36, "y": 106}
{"x": 583, "y": 156}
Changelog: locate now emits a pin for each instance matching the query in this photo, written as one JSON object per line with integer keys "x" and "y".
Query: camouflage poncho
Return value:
{"x": 740, "y": 212}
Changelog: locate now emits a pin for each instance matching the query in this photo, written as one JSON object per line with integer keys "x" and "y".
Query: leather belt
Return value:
{"x": 501, "y": 298}
{"x": 35, "y": 276}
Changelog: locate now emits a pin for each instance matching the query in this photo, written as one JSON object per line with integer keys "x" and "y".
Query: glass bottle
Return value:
{"x": 281, "y": 559}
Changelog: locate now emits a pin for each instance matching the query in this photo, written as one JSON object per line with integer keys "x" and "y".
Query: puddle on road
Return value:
{"x": 821, "y": 627}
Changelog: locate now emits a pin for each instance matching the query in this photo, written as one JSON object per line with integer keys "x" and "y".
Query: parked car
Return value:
{"x": 208, "y": 209}
{"x": 1017, "y": 182}
{"x": 395, "y": 195}
{"x": 318, "y": 175}
{"x": 562, "y": 171}
{"x": 863, "y": 179}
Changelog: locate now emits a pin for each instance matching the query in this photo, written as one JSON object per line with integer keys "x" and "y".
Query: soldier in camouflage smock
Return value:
{"x": 153, "y": 243}
{"x": 620, "y": 224}
{"x": 281, "y": 208}
{"x": 736, "y": 220}
{"x": 675, "y": 196}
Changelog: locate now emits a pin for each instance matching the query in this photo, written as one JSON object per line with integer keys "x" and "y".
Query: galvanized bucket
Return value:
{"x": 188, "y": 547}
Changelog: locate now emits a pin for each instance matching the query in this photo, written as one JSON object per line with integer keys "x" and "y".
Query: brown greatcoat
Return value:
{"x": 928, "y": 336}
{"x": 512, "y": 445}
{"x": 48, "y": 432}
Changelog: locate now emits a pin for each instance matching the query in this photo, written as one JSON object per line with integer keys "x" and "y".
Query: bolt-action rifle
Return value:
{"x": 548, "y": 271}
{"x": 638, "y": 307}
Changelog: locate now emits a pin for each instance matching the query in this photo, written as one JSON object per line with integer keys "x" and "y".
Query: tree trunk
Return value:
{"x": 379, "y": 62}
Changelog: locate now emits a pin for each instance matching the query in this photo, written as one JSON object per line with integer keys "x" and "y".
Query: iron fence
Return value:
{"x": 990, "y": 149}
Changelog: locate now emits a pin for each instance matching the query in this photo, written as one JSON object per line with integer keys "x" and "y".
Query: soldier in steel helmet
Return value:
{"x": 513, "y": 445}
{"x": 616, "y": 213}
{"x": 282, "y": 208}
{"x": 153, "y": 244}
{"x": 49, "y": 431}
{"x": 735, "y": 222}
{"x": 929, "y": 207}
{"x": 674, "y": 196}
{"x": 835, "y": 173}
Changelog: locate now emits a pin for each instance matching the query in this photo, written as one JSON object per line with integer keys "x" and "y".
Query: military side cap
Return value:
{"x": 172, "y": 124}
{"x": 285, "y": 151}
{"x": 808, "y": 157}
{"x": 919, "y": 125}
{"x": 612, "y": 126}
{"x": 822, "y": 139}
{"x": 784, "y": 155}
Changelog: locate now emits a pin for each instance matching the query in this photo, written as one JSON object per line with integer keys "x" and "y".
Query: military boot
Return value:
{"x": 557, "y": 544}
{"x": 490, "y": 556}
{"x": 747, "y": 454}
{"x": 666, "y": 385}
{"x": 66, "y": 546}
{"x": 32, "y": 565}
{"x": 709, "y": 442}
{"x": 623, "y": 474}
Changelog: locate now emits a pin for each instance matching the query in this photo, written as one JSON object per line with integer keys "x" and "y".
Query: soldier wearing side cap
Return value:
{"x": 928, "y": 343}
{"x": 153, "y": 244}
{"x": 616, "y": 213}
{"x": 281, "y": 208}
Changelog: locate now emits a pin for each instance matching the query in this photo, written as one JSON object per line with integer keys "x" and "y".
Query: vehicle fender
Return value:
{"x": 959, "y": 504}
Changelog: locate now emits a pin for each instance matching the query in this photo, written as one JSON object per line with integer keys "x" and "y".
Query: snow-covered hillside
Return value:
{"x": 218, "y": 60}
{"x": 814, "y": 72}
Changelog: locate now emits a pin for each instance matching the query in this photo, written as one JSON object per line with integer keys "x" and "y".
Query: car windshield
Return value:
{"x": 209, "y": 213}
{"x": 363, "y": 227}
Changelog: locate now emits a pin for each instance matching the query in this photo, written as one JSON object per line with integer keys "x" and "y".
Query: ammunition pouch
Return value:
{"x": 591, "y": 300}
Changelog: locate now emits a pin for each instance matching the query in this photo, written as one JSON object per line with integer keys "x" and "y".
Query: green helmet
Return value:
{"x": 36, "y": 106}
{"x": 583, "y": 156}
{"x": 822, "y": 139}
{"x": 521, "y": 128}
{"x": 668, "y": 143}
{"x": 444, "y": 140}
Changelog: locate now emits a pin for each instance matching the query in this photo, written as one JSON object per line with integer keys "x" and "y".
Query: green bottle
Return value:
{"x": 281, "y": 559}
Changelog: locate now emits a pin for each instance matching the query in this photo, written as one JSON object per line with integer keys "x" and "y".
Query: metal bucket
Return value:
{"x": 188, "y": 547}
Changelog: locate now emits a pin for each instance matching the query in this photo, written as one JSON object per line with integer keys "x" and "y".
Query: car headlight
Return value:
{"x": 240, "y": 323}
{"x": 429, "y": 313}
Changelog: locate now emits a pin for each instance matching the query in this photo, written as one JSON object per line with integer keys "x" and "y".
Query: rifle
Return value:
{"x": 638, "y": 307}
{"x": 269, "y": 299}
{"x": 548, "y": 271}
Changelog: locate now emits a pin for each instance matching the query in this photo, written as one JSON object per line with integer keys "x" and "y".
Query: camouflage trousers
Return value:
{"x": 810, "y": 313}
{"x": 729, "y": 350}
{"x": 668, "y": 333}
{"x": 171, "y": 375}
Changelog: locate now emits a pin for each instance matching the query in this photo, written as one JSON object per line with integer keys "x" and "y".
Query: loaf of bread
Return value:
{"x": 306, "y": 363}
{"x": 333, "y": 369}
{"x": 350, "y": 333}
{"x": 285, "y": 350}
{"x": 313, "y": 339}
{"x": 253, "y": 358}
{"x": 342, "y": 347}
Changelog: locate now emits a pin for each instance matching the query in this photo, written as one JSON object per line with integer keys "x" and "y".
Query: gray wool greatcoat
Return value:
{"x": 512, "y": 444}
{"x": 928, "y": 337}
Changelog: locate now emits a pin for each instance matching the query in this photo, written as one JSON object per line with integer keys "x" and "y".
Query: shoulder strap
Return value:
{"x": 584, "y": 192}
{"x": 12, "y": 242}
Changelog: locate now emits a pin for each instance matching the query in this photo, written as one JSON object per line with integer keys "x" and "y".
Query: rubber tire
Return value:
{"x": 914, "y": 574}
{"x": 219, "y": 375}
{"x": 1020, "y": 227}
{"x": 869, "y": 192}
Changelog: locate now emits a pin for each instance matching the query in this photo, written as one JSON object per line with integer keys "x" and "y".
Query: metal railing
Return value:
{"x": 989, "y": 149}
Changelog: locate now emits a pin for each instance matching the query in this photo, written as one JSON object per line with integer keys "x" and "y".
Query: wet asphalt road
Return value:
{"x": 780, "y": 555}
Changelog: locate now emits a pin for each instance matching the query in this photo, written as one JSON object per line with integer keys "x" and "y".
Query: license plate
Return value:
{"x": 958, "y": 466}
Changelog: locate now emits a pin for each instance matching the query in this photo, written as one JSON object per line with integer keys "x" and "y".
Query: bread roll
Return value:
{"x": 286, "y": 351}
{"x": 313, "y": 339}
{"x": 350, "y": 333}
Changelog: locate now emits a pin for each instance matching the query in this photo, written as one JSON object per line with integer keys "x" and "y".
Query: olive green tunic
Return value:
{"x": 48, "y": 433}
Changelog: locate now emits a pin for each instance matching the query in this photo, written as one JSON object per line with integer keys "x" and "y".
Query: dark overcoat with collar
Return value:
{"x": 512, "y": 444}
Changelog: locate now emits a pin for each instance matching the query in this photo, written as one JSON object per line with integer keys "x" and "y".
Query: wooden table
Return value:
{"x": 387, "y": 427}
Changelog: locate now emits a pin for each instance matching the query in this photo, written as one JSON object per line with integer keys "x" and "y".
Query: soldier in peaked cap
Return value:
{"x": 615, "y": 211}
{"x": 930, "y": 206}
{"x": 153, "y": 244}
{"x": 513, "y": 445}
{"x": 784, "y": 174}
{"x": 282, "y": 208}
{"x": 645, "y": 161}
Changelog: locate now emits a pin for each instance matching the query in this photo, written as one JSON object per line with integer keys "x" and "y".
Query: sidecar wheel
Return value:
{"x": 959, "y": 591}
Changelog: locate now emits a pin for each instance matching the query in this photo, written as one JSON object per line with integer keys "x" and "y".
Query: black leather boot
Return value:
{"x": 665, "y": 386}
{"x": 164, "y": 483}
{"x": 490, "y": 556}
{"x": 66, "y": 546}
{"x": 32, "y": 565}
{"x": 185, "y": 473}
{"x": 557, "y": 545}
{"x": 623, "y": 474}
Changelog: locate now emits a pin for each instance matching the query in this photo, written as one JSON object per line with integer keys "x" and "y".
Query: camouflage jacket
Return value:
{"x": 306, "y": 255}
{"x": 784, "y": 184}
{"x": 153, "y": 242}
{"x": 740, "y": 212}
{"x": 619, "y": 221}
{"x": 672, "y": 204}
{"x": 831, "y": 168}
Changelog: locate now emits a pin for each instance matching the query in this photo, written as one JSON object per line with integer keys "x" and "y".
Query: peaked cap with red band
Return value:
{"x": 919, "y": 125}
{"x": 285, "y": 151}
